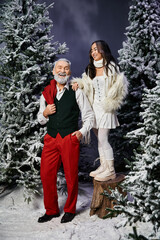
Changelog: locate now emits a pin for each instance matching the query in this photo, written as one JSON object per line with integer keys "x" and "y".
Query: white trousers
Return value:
{"x": 104, "y": 147}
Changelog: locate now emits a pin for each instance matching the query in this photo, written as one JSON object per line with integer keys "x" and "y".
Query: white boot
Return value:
{"x": 100, "y": 169}
{"x": 109, "y": 173}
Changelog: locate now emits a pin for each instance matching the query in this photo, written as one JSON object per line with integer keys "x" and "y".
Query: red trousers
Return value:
{"x": 54, "y": 151}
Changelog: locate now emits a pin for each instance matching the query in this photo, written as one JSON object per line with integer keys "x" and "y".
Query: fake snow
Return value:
{"x": 18, "y": 220}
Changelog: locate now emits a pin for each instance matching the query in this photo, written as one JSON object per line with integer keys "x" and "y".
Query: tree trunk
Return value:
{"x": 100, "y": 202}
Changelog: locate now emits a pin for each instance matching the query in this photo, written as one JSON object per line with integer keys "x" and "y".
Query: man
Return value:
{"x": 61, "y": 143}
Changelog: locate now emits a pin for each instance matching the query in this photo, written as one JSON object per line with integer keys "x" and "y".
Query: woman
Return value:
{"x": 105, "y": 88}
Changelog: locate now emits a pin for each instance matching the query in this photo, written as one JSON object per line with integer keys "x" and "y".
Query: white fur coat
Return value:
{"x": 116, "y": 89}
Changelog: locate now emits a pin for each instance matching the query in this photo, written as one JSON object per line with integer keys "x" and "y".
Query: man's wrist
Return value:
{"x": 45, "y": 114}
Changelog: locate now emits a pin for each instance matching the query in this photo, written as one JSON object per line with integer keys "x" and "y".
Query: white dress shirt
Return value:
{"x": 87, "y": 114}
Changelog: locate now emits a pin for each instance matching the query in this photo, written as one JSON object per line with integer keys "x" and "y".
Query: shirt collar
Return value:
{"x": 66, "y": 86}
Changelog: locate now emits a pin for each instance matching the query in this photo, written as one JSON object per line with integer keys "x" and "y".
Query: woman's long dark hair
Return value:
{"x": 104, "y": 49}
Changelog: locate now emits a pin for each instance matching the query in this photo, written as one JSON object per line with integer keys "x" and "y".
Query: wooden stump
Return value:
{"x": 100, "y": 202}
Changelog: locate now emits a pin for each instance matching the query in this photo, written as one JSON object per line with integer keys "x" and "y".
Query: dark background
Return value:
{"x": 80, "y": 22}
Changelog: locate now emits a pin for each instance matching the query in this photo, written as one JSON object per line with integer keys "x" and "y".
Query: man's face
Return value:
{"x": 62, "y": 69}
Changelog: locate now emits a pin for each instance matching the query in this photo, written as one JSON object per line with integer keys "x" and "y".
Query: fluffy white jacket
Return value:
{"x": 116, "y": 89}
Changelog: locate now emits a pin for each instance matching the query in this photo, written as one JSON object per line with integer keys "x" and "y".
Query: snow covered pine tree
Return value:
{"x": 143, "y": 181}
{"x": 139, "y": 60}
{"x": 27, "y": 58}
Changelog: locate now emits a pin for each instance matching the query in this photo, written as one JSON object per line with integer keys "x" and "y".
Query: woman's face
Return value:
{"x": 94, "y": 52}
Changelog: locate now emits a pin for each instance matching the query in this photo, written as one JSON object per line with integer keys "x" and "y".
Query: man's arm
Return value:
{"x": 45, "y": 111}
{"x": 87, "y": 113}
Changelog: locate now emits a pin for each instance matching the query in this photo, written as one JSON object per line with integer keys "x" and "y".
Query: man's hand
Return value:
{"x": 75, "y": 86}
{"x": 50, "y": 109}
{"x": 78, "y": 135}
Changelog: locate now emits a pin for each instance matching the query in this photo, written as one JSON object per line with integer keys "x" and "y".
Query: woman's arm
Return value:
{"x": 116, "y": 93}
{"x": 84, "y": 83}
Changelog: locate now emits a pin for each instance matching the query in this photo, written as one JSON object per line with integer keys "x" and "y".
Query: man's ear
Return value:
{"x": 53, "y": 71}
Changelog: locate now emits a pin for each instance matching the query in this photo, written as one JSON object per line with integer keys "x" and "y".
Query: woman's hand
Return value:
{"x": 75, "y": 86}
{"x": 50, "y": 109}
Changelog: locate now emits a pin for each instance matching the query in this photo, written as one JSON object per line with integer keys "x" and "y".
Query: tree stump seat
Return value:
{"x": 100, "y": 202}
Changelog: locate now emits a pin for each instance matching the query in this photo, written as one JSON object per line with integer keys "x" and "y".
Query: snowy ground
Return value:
{"x": 18, "y": 220}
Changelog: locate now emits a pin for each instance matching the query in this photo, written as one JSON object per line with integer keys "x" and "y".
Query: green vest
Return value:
{"x": 65, "y": 120}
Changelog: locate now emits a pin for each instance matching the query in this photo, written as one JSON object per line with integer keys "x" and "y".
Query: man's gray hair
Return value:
{"x": 62, "y": 59}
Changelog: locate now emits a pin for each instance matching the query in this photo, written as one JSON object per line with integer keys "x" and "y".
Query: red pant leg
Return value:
{"x": 50, "y": 163}
{"x": 70, "y": 158}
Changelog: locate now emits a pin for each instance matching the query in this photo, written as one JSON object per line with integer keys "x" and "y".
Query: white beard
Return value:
{"x": 61, "y": 80}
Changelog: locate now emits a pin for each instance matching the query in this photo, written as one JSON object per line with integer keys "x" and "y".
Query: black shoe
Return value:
{"x": 67, "y": 217}
{"x": 46, "y": 218}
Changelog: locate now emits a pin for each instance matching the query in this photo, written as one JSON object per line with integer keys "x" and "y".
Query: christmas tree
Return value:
{"x": 139, "y": 117}
{"x": 27, "y": 58}
{"x": 139, "y": 61}
{"x": 143, "y": 180}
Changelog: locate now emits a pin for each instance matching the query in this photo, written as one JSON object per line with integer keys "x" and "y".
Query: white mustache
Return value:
{"x": 62, "y": 74}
